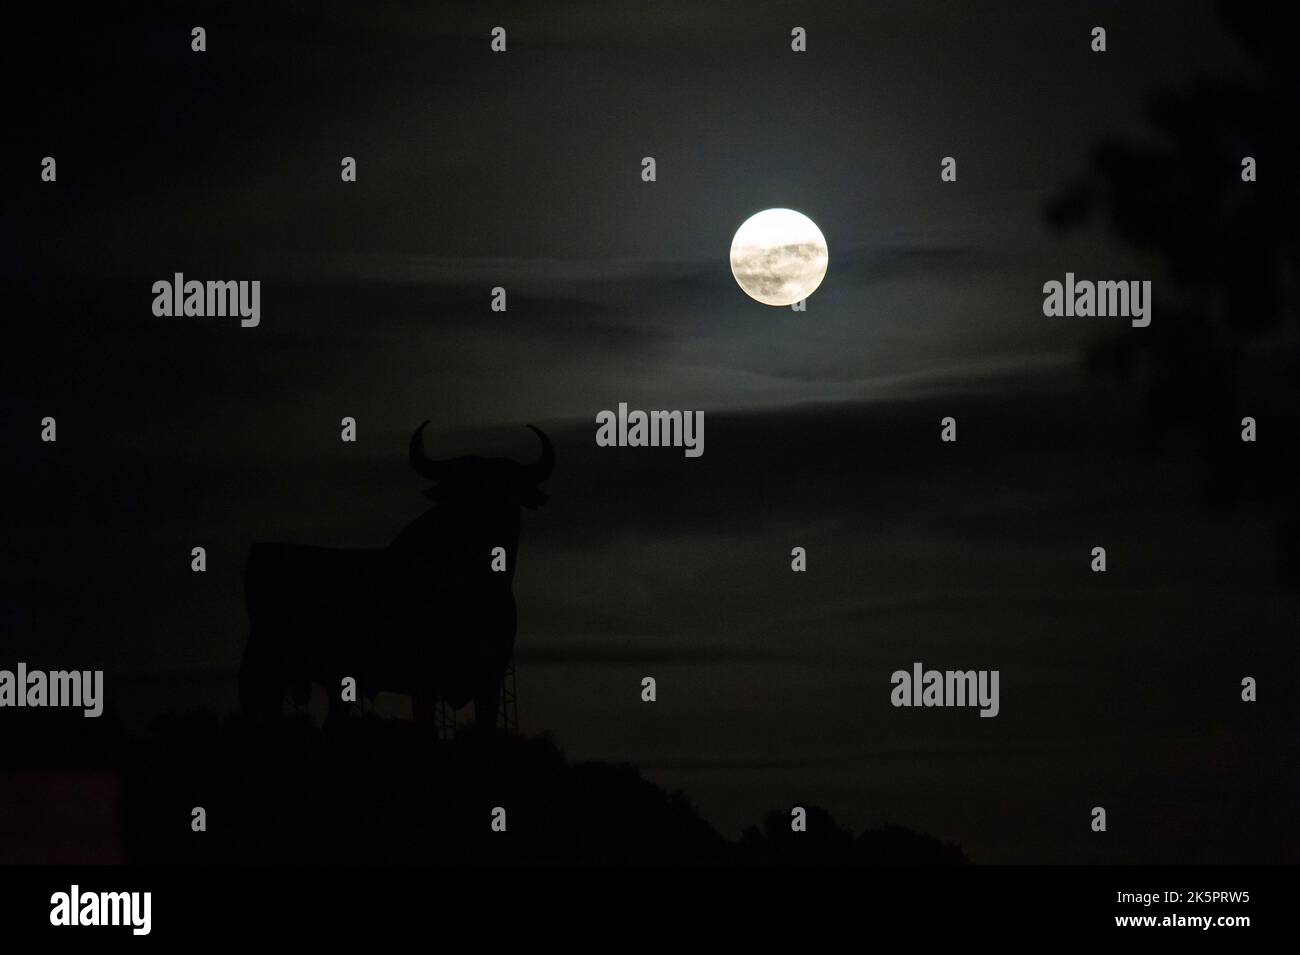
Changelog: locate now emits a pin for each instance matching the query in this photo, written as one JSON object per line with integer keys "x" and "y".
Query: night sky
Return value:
{"x": 522, "y": 170}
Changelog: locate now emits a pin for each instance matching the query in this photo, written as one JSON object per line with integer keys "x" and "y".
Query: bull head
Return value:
{"x": 473, "y": 476}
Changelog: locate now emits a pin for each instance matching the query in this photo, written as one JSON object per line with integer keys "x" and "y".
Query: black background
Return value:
{"x": 522, "y": 170}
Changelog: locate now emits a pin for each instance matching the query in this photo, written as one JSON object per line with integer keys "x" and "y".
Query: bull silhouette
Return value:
{"x": 426, "y": 615}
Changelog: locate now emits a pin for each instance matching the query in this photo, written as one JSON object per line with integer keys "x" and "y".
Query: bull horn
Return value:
{"x": 540, "y": 470}
{"x": 419, "y": 461}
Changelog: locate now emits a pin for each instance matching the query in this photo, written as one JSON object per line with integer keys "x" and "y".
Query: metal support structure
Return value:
{"x": 507, "y": 712}
{"x": 445, "y": 720}
{"x": 508, "y": 718}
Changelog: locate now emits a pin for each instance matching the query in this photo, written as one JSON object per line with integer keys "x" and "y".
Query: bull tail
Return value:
{"x": 261, "y": 682}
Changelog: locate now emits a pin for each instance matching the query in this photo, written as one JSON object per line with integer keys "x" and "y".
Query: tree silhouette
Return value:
{"x": 1224, "y": 343}
{"x": 826, "y": 842}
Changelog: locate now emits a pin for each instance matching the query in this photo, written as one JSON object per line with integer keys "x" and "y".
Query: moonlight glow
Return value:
{"x": 778, "y": 256}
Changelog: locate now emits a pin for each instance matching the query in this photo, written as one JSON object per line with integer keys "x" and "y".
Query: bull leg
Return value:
{"x": 337, "y": 711}
{"x": 260, "y": 690}
{"x": 425, "y": 713}
{"x": 424, "y": 707}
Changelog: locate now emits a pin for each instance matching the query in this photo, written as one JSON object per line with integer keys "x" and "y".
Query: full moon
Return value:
{"x": 779, "y": 256}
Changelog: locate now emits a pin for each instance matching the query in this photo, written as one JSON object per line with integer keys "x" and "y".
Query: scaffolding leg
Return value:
{"x": 445, "y": 720}
{"x": 508, "y": 717}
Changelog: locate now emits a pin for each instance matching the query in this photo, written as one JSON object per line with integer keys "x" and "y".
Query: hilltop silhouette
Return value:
{"x": 370, "y": 790}
{"x": 374, "y": 790}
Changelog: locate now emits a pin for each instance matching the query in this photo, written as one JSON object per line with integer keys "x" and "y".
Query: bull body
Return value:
{"x": 426, "y": 616}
